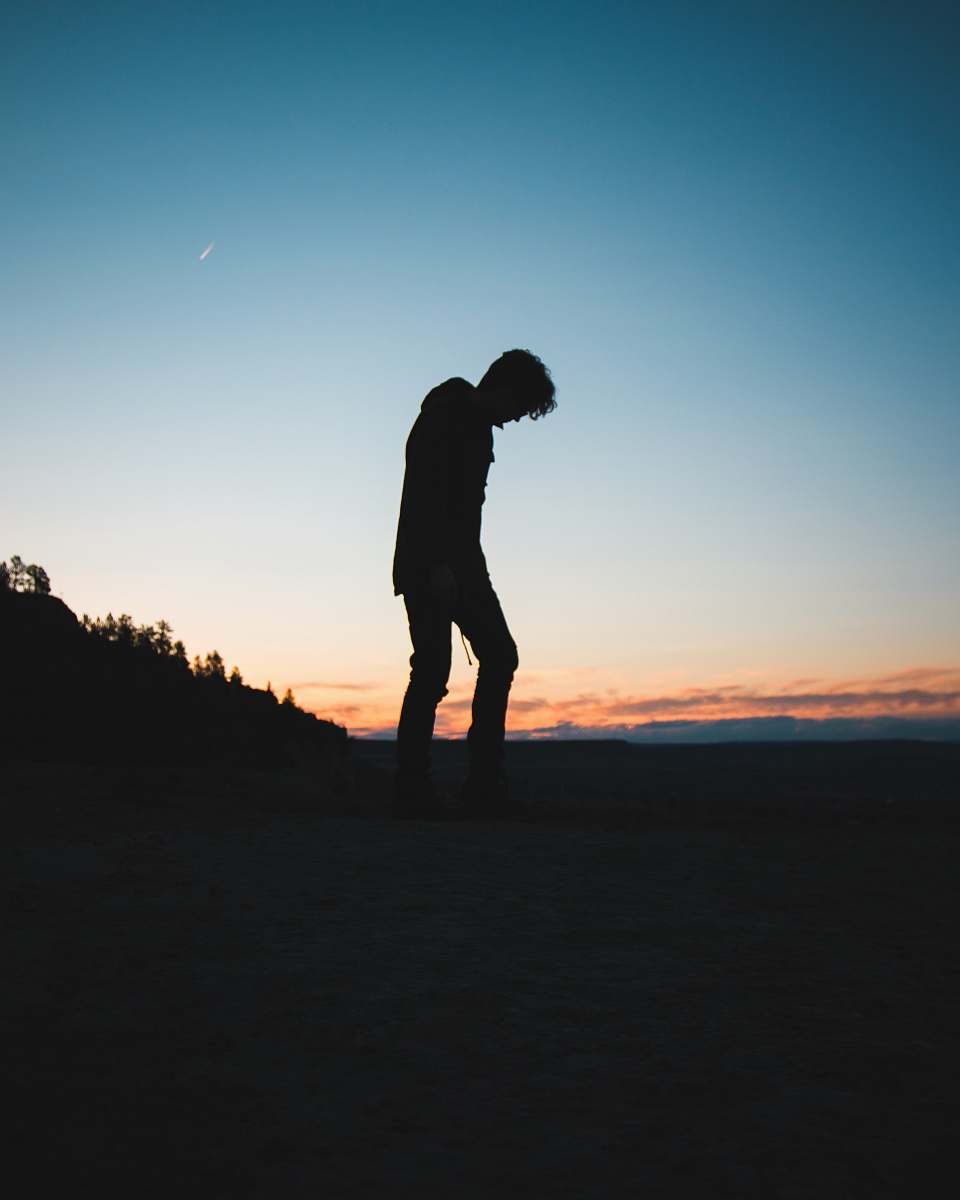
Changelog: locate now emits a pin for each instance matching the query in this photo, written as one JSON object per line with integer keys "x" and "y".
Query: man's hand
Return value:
{"x": 443, "y": 583}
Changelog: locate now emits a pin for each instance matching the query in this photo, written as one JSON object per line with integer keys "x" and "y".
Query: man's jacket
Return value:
{"x": 449, "y": 452}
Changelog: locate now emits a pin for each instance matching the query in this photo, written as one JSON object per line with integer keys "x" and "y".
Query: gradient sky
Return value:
{"x": 730, "y": 230}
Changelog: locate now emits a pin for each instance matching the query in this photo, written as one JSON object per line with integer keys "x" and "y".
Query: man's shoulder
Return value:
{"x": 448, "y": 392}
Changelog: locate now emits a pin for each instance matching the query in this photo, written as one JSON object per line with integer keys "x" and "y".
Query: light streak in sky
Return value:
{"x": 206, "y": 252}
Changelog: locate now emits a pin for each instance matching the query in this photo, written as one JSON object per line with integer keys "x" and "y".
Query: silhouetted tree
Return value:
{"x": 4, "y": 577}
{"x": 214, "y": 667}
{"x": 126, "y": 630}
{"x": 288, "y": 699}
{"x": 38, "y": 580}
{"x": 17, "y": 572}
{"x": 143, "y": 637}
{"x": 161, "y": 639}
{"x": 236, "y": 678}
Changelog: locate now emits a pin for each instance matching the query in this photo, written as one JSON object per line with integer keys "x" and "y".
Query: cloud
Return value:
{"x": 784, "y": 702}
{"x": 950, "y": 675}
{"x": 450, "y": 705}
{"x": 869, "y": 699}
{"x": 521, "y": 706}
{"x": 338, "y": 712}
{"x": 927, "y": 693}
{"x": 947, "y": 678}
{"x": 322, "y": 685}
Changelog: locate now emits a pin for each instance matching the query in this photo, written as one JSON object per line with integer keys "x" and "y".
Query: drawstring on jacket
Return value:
{"x": 465, "y": 650}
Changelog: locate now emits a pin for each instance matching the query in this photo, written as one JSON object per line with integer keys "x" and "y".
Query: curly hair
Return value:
{"x": 525, "y": 372}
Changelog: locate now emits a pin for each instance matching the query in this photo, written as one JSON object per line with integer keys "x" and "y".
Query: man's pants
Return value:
{"x": 478, "y": 613}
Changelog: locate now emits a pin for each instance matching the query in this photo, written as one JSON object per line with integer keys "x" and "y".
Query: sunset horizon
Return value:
{"x": 921, "y": 694}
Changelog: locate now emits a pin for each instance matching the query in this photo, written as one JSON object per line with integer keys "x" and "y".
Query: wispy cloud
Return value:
{"x": 324, "y": 685}
{"x": 739, "y": 701}
{"x": 928, "y": 675}
{"x": 919, "y": 692}
{"x": 800, "y": 683}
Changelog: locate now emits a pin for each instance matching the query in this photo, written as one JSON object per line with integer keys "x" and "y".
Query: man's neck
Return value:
{"x": 491, "y": 402}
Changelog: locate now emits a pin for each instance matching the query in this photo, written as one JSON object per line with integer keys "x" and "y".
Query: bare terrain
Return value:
{"x": 711, "y": 971}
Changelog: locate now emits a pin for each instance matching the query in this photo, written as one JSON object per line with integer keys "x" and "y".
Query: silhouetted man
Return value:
{"x": 440, "y": 571}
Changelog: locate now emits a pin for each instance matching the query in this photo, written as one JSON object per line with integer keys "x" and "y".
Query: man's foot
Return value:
{"x": 487, "y": 796}
{"x": 418, "y": 800}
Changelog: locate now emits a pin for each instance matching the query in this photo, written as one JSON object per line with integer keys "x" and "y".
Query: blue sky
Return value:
{"x": 730, "y": 231}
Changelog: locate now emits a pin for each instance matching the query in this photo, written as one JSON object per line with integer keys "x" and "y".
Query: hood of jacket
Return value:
{"x": 446, "y": 391}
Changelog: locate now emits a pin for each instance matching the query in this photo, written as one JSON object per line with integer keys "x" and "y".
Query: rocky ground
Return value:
{"x": 230, "y": 986}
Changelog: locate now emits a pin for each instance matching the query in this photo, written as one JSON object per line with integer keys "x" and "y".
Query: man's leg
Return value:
{"x": 481, "y": 620}
{"x": 430, "y": 624}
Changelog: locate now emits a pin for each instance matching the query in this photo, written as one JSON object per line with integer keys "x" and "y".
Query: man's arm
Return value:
{"x": 436, "y": 469}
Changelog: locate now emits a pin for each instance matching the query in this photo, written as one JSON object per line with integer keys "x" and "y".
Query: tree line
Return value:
{"x": 106, "y": 689}
{"x": 157, "y": 640}
{"x": 121, "y": 631}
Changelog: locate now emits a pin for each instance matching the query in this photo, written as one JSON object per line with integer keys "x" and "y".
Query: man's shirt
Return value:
{"x": 448, "y": 455}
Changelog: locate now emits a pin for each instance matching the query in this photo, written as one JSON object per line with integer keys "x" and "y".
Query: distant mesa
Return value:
{"x": 754, "y": 729}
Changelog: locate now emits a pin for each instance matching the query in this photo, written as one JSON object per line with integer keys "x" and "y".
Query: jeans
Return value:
{"x": 477, "y": 612}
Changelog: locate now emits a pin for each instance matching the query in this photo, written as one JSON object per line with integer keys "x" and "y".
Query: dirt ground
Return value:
{"x": 240, "y": 999}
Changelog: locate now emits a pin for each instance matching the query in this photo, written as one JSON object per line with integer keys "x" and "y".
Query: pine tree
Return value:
{"x": 38, "y": 579}
{"x": 214, "y": 667}
{"x": 161, "y": 639}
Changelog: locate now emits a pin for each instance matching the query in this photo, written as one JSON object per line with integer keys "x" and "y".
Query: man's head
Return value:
{"x": 518, "y": 385}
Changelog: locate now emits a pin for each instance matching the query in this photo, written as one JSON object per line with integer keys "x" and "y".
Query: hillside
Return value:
{"x": 109, "y": 692}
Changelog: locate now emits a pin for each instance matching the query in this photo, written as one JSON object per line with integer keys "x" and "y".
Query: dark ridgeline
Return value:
{"x": 108, "y": 691}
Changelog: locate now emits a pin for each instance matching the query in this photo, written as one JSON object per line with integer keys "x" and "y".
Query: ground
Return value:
{"x": 225, "y": 985}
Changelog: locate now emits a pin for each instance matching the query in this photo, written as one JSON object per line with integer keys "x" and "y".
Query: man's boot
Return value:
{"x": 486, "y": 794}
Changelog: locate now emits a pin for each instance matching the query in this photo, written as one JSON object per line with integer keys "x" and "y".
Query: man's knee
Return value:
{"x": 500, "y": 660}
{"x": 512, "y": 659}
{"x": 429, "y": 679}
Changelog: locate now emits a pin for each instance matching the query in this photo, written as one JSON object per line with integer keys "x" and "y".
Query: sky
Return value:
{"x": 729, "y": 230}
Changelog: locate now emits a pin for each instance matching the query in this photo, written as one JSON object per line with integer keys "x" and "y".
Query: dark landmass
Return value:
{"x": 621, "y": 784}
{"x": 767, "y": 729}
{"x": 744, "y": 729}
{"x": 108, "y": 692}
{"x": 726, "y": 970}
{"x": 712, "y": 971}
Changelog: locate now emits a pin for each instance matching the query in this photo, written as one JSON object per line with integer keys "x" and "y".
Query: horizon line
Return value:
{"x": 726, "y": 729}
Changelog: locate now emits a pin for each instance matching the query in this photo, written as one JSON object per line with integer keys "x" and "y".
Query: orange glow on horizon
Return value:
{"x": 919, "y": 692}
